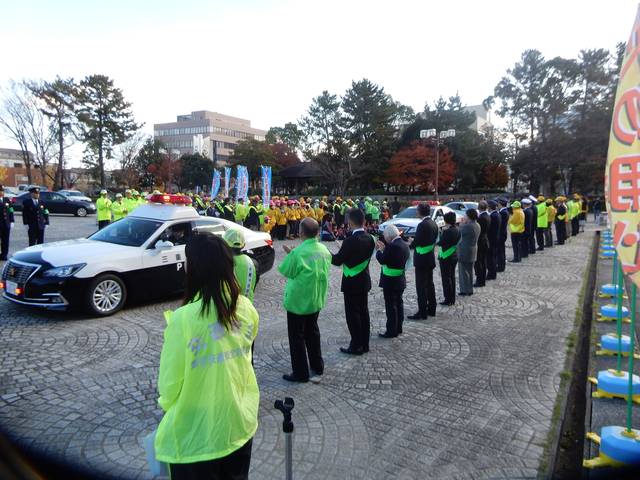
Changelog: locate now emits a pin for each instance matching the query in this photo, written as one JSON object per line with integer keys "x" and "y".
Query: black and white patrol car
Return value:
{"x": 140, "y": 256}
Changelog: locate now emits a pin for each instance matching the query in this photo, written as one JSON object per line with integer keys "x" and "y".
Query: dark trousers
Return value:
{"x": 4, "y": 242}
{"x": 448, "y": 274}
{"x": 356, "y": 309}
{"x": 103, "y": 223}
{"x": 501, "y": 256}
{"x": 548, "y": 237}
{"x": 532, "y": 242}
{"x": 516, "y": 244}
{"x": 561, "y": 231}
{"x": 36, "y": 236}
{"x": 540, "y": 237}
{"x": 234, "y": 466}
{"x": 492, "y": 261}
{"x": 281, "y": 231}
{"x": 575, "y": 226}
{"x": 304, "y": 341}
{"x": 394, "y": 307}
{"x": 480, "y": 266}
{"x": 426, "y": 292}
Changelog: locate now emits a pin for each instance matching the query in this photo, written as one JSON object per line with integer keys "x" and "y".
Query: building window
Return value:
{"x": 17, "y": 165}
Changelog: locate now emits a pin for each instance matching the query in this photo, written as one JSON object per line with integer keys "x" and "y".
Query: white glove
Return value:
{"x": 11, "y": 225}
{"x": 27, "y": 227}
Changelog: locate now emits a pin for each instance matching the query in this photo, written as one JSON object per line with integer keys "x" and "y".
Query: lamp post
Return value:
{"x": 431, "y": 133}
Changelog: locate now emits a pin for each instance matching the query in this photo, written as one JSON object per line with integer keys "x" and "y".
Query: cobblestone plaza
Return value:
{"x": 466, "y": 395}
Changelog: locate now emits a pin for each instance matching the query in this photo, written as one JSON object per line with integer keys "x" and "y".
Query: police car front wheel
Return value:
{"x": 106, "y": 295}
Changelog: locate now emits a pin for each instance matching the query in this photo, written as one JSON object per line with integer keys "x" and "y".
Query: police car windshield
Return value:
{"x": 411, "y": 212}
{"x": 132, "y": 232}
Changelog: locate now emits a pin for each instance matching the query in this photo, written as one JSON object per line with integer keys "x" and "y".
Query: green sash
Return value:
{"x": 425, "y": 250}
{"x": 447, "y": 253}
{"x": 392, "y": 272}
{"x": 353, "y": 271}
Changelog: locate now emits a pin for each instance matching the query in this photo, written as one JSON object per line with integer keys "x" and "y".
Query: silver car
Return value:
{"x": 407, "y": 220}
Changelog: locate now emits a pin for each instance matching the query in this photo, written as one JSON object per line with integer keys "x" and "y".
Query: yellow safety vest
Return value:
{"x": 103, "y": 206}
{"x": 207, "y": 385}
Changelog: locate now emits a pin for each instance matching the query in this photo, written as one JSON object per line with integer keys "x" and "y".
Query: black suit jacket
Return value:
{"x": 449, "y": 238}
{"x": 528, "y": 215}
{"x": 426, "y": 234}
{"x": 395, "y": 255}
{"x": 504, "y": 223}
{"x": 494, "y": 228}
{"x": 35, "y": 217}
{"x": 6, "y": 213}
{"x": 483, "y": 239}
{"x": 354, "y": 250}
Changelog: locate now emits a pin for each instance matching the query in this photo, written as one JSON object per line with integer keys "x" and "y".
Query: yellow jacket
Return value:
{"x": 551, "y": 214}
{"x": 516, "y": 221}
{"x": 281, "y": 218}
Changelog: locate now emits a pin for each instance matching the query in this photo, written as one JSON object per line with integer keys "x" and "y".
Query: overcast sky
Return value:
{"x": 266, "y": 60}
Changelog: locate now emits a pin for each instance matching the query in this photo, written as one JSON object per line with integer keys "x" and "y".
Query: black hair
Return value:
{"x": 356, "y": 216}
{"x": 309, "y": 228}
{"x": 483, "y": 205}
{"x": 210, "y": 277}
{"x": 450, "y": 218}
{"x": 472, "y": 213}
{"x": 424, "y": 209}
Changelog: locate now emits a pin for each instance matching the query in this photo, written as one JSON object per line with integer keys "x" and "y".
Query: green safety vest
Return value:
{"x": 245, "y": 272}
{"x": 443, "y": 255}
{"x": 207, "y": 385}
{"x": 392, "y": 272}
{"x": 103, "y": 206}
{"x": 119, "y": 210}
{"x": 307, "y": 270}
{"x": 542, "y": 215}
{"x": 130, "y": 204}
{"x": 353, "y": 271}
{"x": 426, "y": 249}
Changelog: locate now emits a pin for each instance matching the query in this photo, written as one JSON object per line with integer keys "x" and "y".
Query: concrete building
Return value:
{"x": 12, "y": 168}
{"x": 210, "y": 133}
{"x": 483, "y": 117}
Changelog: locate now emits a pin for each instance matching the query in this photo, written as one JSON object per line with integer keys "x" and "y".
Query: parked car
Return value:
{"x": 460, "y": 208}
{"x": 23, "y": 187}
{"x": 57, "y": 203}
{"x": 407, "y": 220}
{"x": 75, "y": 195}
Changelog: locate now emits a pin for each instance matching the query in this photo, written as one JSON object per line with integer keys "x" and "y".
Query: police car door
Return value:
{"x": 164, "y": 260}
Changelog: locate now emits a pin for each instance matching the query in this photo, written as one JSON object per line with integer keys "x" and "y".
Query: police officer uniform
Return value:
{"x": 494, "y": 240}
{"x": 424, "y": 261}
{"x": 393, "y": 282}
{"x": 36, "y": 217}
{"x": 6, "y": 223}
{"x": 502, "y": 239}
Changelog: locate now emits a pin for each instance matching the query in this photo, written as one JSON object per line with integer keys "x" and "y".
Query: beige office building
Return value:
{"x": 210, "y": 133}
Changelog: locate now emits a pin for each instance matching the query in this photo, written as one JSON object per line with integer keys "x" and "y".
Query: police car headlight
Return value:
{"x": 64, "y": 271}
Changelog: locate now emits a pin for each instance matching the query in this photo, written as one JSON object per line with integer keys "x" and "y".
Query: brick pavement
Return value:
{"x": 467, "y": 395}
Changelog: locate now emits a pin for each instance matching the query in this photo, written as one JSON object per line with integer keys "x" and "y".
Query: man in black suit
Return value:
{"x": 35, "y": 216}
{"x": 6, "y": 224}
{"x": 393, "y": 258}
{"x": 494, "y": 240}
{"x": 480, "y": 265}
{"x": 502, "y": 239}
{"x": 354, "y": 256}
{"x": 424, "y": 261}
{"x": 448, "y": 258}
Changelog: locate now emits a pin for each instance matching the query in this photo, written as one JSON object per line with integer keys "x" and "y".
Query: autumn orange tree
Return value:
{"x": 495, "y": 175}
{"x": 414, "y": 166}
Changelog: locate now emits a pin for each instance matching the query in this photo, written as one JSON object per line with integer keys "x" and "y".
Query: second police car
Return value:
{"x": 139, "y": 256}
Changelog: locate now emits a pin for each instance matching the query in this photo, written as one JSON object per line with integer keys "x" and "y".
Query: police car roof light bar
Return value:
{"x": 169, "y": 199}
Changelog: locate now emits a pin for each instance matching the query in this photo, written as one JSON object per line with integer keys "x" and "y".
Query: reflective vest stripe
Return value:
{"x": 251, "y": 271}
{"x": 425, "y": 250}
{"x": 353, "y": 271}
{"x": 392, "y": 272}
{"x": 447, "y": 253}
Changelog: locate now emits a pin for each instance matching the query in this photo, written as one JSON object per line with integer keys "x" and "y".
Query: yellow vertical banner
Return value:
{"x": 622, "y": 176}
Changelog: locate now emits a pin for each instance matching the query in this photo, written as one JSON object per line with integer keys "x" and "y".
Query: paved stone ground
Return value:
{"x": 467, "y": 395}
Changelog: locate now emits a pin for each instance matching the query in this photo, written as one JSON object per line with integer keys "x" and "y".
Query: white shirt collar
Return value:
{"x": 357, "y": 230}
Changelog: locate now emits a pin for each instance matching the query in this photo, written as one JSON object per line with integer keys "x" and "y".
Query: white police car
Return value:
{"x": 407, "y": 220}
{"x": 139, "y": 256}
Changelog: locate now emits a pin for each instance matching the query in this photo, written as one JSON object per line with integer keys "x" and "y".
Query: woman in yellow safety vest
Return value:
{"x": 207, "y": 385}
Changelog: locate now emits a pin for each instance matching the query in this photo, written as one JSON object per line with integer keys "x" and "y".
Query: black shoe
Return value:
{"x": 514, "y": 261}
{"x": 430, "y": 314}
{"x": 386, "y": 335}
{"x": 3, "y": 259}
{"x": 491, "y": 278}
{"x": 540, "y": 249}
{"x": 365, "y": 350}
{"x": 417, "y": 316}
{"x": 352, "y": 351}
{"x": 478, "y": 285}
{"x": 292, "y": 378}
{"x": 463, "y": 294}
{"x": 444, "y": 303}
